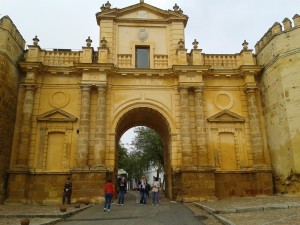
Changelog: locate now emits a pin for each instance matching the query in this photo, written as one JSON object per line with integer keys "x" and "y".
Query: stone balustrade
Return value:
{"x": 59, "y": 57}
{"x": 160, "y": 61}
{"x": 124, "y": 60}
{"x": 221, "y": 61}
{"x": 275, "y": 30}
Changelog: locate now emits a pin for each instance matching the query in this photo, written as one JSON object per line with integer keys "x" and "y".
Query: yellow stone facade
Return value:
{"x": 74, "y": 106}
{"x": 279, "y": 53}
{"x": 11, "y": 52}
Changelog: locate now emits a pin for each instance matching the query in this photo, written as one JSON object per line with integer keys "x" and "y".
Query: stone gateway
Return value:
{"x": 217, "y": 114}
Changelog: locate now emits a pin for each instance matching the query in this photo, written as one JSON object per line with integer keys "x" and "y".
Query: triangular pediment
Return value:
{"x": 226, "y": 116}
{"x": 56, "y": 115}
{"x": 140, "y": 11}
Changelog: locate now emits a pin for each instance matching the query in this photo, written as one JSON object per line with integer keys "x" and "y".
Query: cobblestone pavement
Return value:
{"x": 274, "y": 210}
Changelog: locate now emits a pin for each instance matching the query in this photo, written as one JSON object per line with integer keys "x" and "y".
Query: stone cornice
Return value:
{"x": 81, "y": 67}
{"x": 251, "y": 68}
{"x": 143, "y": 72}
{"x": 188, "y": 68}
{"x": 33, "y": 66}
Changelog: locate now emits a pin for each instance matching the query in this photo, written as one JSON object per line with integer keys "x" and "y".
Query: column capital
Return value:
{"x": 199, "y": 88}
{"x": 29, "y": 86}
{"x": 181, "y": 87}
{"x": 85, "y": 87}
{"x": 101, "y": 87}
{"x": 250, "y": 88}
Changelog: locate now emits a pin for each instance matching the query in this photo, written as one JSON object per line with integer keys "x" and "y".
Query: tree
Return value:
{"x": 146, "y": 152}
{"x": 149, "y": 143}
{"x": 130, "y": 161}
{"x": 122, "y": 156}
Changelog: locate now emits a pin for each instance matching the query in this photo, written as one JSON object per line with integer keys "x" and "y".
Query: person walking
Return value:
{"x": 109, "y": 190}
{"x": 67, "y": 191}
{"x": 122, "y": 190}
{"x": 155, "y": 191}
{"x": 143, "y": 191}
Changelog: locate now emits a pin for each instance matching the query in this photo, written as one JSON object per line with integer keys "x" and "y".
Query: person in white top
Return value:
{"x": 155, "y": 191}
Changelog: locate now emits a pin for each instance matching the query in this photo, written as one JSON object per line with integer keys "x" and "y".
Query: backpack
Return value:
{"x": 148, "y": 187}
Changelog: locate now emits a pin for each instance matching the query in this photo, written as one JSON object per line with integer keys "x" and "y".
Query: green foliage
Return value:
{"x": 146, "y": 152}
{"x": 122, "y": 156}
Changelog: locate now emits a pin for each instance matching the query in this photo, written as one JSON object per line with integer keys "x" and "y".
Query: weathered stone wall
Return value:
{"x": 47, "y": 188}
{"x": 190, "y": 186}
{"x": 11, "y": 50}
{"x": 243, "y": 184}
{"x": 279, "y": 52}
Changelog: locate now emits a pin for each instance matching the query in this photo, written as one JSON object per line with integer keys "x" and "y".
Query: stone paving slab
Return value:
{"x": 236, "y": 203}
{"x": 256, "y": 210}
{"x": 274, "y": 217}
{"x": 10, "y": 214}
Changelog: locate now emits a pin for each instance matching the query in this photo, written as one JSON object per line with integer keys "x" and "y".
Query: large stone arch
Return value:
{"x": 152, "y": 116}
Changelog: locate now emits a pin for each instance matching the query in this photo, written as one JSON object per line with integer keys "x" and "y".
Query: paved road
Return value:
{"x": 167, "y": 213}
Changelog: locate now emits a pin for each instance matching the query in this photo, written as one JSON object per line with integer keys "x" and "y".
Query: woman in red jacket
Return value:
{"x": 109, "y": 193}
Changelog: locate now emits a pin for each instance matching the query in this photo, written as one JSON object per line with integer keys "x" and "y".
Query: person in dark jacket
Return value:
{"x": 67, "y": 191}
{"x": 122, "y": 190}
{"x": 143, "y": 191}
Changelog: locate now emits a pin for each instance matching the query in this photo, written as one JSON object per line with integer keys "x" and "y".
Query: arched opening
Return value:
{"x": 148, "y": 117}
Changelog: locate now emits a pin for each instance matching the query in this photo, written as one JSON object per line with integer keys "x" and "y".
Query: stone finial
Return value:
{"x": 287, "y": 24}
{"x": 176, "y": 8}
{"x": 36, "y": 41}
{"x": 103, "y": 43}
{"x": 88, "y": 42}
{"x": 180, "y": 11}
{"x": 141, "y": 1}
{"x": 181, "y": 44}
{"x": 296, "y": 19}
{"x": 195, "y": 44}
{"x": 107, "y": 5}
{"x": 103, "y": 8}
{"x": 245, "y": 45}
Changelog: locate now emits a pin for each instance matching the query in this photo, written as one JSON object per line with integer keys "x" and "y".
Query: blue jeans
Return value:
{"x": 154, "y": 197}
{"x": 143, "y": 196}
{"x": 108, "y": 198}
{"x": 121, "y": 197}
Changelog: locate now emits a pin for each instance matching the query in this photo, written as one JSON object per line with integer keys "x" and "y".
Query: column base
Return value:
{"x": 262, "y": 167}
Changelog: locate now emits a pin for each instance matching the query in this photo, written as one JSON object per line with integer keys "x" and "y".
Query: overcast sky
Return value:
{"x": 220, "y": 26}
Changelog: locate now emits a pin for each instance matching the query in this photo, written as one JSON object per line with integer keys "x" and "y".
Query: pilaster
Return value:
{"x": 256, "y": 135}
{"x": 99, "y": 151}
{"x": 186, "y": 139}
{"x": 200, "y": 127}
{"x": 84, "y": 127}
{"x": 25, "y": 131}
